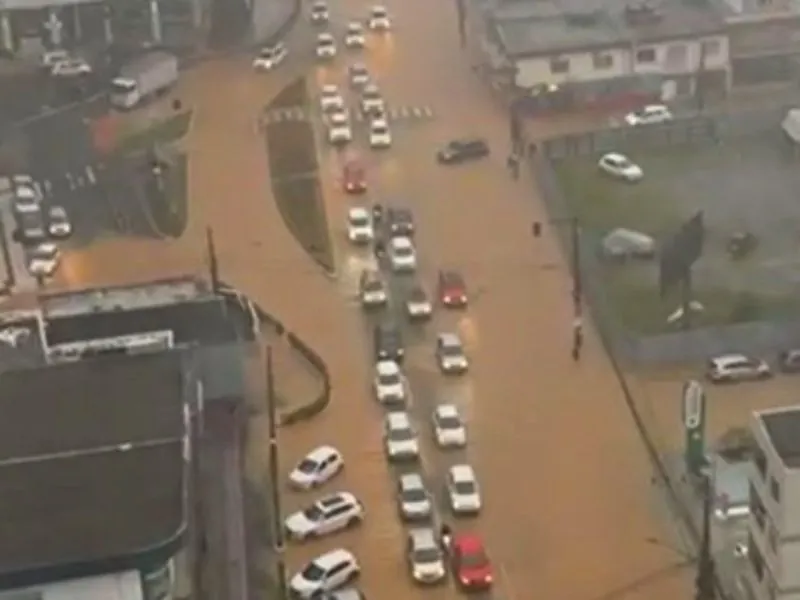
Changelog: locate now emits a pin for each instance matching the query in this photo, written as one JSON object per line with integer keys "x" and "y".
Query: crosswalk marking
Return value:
{"x": 401, "y": 112}
{"x": 91, "y": 175}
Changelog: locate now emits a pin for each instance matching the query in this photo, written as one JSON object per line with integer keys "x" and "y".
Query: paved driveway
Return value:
{"x": 566, "y": 483}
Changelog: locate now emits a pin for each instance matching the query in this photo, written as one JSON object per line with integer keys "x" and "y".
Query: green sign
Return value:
{"x": 694, "y": 425}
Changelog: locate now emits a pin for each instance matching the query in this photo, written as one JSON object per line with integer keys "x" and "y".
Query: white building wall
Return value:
{"x": 675, "y": 57}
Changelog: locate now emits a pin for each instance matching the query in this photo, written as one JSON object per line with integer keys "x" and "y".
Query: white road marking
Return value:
{"x": 70, "y": 181}
{"x": 79, "y": 180}
{"x": 91, "y": 175}
{"x": 48, "y": 186}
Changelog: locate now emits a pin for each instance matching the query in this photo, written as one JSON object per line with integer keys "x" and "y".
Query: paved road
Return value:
{"x": 566, "y": 484}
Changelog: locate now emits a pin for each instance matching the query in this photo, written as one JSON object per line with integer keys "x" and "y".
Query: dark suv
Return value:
{"x": 400, "y": 221}
{"x": 459, "y": 151}
{"x": 388, "y": 343}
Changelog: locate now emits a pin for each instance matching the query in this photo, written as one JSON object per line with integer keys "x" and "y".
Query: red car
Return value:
{"x": 452, "y": 289}
{"x": 353, "y": 178}
{"x": 471, "y": 565}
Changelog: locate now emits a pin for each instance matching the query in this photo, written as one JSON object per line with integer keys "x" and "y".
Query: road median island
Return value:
{"x": 294, "y": 169}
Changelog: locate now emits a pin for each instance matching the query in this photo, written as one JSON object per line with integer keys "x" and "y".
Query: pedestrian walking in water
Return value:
{"x": 577, "y": 338}
{"x": 513, "y": 165}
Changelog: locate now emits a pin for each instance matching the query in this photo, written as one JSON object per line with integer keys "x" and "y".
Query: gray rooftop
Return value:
{"x": 544, "y": 27}
{"x": 747, "y": 8}
{"x": 783, "y": 429}
{"x": 91, "y": 460}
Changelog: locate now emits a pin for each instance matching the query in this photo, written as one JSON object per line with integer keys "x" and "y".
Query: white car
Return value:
{"x": 326, "y": 46}
{"x": 26, "y": 199}
{"x": 620, "y": 166}
{"x": 413, "y": 498}
{"x": 462, "y": 490}
{"x": 43, "y": 260}
{"x": 327, "y": 515}
{"x": 325, "y": 573}
{"x": 402, "y": 255}
{"x": 379, "y": 134}
{"x": 71, "y": 67}
{"x": 390, "y": 383}
{"x": 58, "y": 224}
{"x": 339, "y": 130}
{"x": 450, "y": 354}
{"x": 649, "y": 115}
{"x": 319, "y": 466}
{"x": 359, "y": 225}
{"x": 330, "y": 99}
{"x": 49, "y": 59}
{"x": 448, "y": 427}
{"x": 379, "y": 19}
{"x": 319, "y": 12}
{"x": 354, "y": 36}
{"x": 425, "y": 556}
{"x": 358, "y": 75}
{"x": 372, "y": 102}
{"x": 399, "y": 437}
{"x": 730, "y": 368}
{"x": 372, "y": 289}
{"x": 270, "y": 57}
{"x": 418, "y": 305}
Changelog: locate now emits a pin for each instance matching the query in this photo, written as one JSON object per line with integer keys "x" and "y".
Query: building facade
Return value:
{"x": 774, "y": 521}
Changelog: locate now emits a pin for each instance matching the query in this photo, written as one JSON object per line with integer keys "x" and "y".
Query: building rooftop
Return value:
{"x": 756, "y": 8}
{"x": 782, "y": 426}
{"x": 91, "y": 460}
{"x": 544, "y": 27}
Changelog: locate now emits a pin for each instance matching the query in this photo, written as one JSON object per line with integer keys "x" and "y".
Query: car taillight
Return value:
{"x": 488, "y": 579}
{"x": 447, "y": 299}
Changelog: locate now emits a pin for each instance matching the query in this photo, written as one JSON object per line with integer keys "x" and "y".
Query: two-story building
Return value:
{"x": 774, "y": 520}
{"x": 669, "y": 48}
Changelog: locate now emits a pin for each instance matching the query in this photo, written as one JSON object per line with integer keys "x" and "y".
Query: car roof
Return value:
{"x": 615, "y": 156}
{"x": 400, "y": 211}
{"x": 462, "y": 473}
{"x": 387, "y": 367}
{"x": 387, "y": 328}
{"x": 449, "y": 339}
{"x": 378, "y": 7}
{"x": 46, "y": 247}
{"x": 321, "y": 452}
{"x": 336, "y": 498}
{"x": 397, "y": 419}
{"x": 354, "y": 24}
{"x": 654, "y": 107}
{"x": 729, "y": 358}
{"x": 465, "y": 141}
{"x": 334, "y": 557}
{"x": 380, "y": 122}
{"x": 370, "y": 87}
{"x": 402, "y": 242}
{"x": 446, "y": 410}
{"x": 451, "y": 276}
{"x": 339, "y": 118}
{"x": 343, "y": 594}
{"x": 358, "y": 67}
{"x": 423, "y": 537}
{"x": 325, "y": 36}
{"x": 468, "y": 542}
{"x": 358, "y": 211}
{"x": 412, "y": 481}
{"x": 329, "y": 88}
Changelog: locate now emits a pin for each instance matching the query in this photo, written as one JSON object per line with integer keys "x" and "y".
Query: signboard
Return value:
{"x": 694, "y": 425}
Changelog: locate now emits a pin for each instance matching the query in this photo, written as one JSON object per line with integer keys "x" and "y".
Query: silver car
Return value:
{"x": 413, "y": 498}
{"x": 425, "y": 558}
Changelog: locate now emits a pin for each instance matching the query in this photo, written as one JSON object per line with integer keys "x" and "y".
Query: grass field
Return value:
{"x": 291, "y": 149}
{"x": 169, "y": 130}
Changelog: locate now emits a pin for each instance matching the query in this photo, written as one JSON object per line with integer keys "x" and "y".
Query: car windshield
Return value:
{"x": 371, "y": 94}
{"x": 402, "y": 250}
{"x": 414, "y": 495}
{"x": 474, "y": 559}
{"x": 373, "y": 285}
{"x": 45, "y": 252}
{"x": 379, "y": 128}
{"x": 319, "y": 8}
{"x": 313, "y": 572}
{"x": 354, "y": 28}
{"x": 359, "y": 220}
{"x": 388, "y": 378}
{"x": 379, "y": 12}
{"x": 622, "y": 163}
{"x": 449, "y": 422}
{"x": 325, "y": 41}
{"x": 307, "y": 466}
{"x": 427, "y": 555}
{"x": 401, "y": 434}
{"x": 452, "y": 350}
{"x": 464, "y": 487}
{"x": 358, "y": 70}
{"x": 313, "y": 513}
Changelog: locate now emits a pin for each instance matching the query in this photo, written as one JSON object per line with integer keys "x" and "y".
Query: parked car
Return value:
{"x": 623, "y": 244}
{"x": 58, "y": 224}
{"x": 43, "y": 259}
{"x": 789, "y": 361}
{"x": 71, "y": 67}
{"x": 460, "y": 151}
{"x": 325, "y": 516}
{"x": 649, "y": 115}
{"x": 325, "y": 573}
{"x": 621, "y": 167}
{"x": 270, "y": 57}
{"x": 318, "y": 467}
{"x": 730, "y": 368}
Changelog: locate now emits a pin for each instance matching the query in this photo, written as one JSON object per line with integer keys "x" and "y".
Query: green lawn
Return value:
{"x": 169, "y": 130}
{"x": 293, "y": 95}
{"x": 300, "y": 204}
{"x": 169, "y": 207}
{"x": 291, "y": 149}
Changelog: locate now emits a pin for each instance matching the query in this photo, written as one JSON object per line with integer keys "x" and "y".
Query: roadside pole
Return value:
{"x": 274, "y": 481}
{"x": 694, "y": 426}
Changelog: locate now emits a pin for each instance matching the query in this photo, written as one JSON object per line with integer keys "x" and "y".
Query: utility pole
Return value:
{"x": 213, "y": 263}
{"x": 274, "y": 479}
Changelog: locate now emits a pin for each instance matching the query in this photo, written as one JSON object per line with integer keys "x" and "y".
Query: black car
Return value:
{"x": 459, "y": 151}
{"x": 388, "y": 343}
{"x": 400, "y": 221}
{"x": 789, "y": 361}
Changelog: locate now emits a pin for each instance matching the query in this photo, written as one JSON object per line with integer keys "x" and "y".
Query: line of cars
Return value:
{"x": 37, "y": 227}
{"x": 733, "y": 368}
{"x": 428, "y": 560}
{"x": 370, "y": 104}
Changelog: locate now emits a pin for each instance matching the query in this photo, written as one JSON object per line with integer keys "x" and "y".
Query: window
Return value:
{"x": 710, "y": 48}
{"x": 559, "y": 65}
{"x": 646, "y": 55}
{"x": 757, "y": 508}
{"x": 760, "y": 461}
{"x": 775, "y": 489}
{"x": 602, "y": 60}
